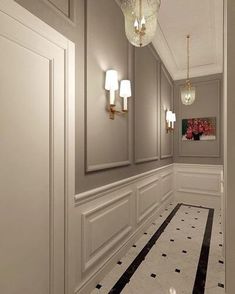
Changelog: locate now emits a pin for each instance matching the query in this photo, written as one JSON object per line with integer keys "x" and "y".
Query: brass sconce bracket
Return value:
{"x": 113, "y": 111}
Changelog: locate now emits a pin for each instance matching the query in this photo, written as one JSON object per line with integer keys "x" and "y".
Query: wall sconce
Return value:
{"x": 170, "y": 120}
{"x": 111, "y": 84}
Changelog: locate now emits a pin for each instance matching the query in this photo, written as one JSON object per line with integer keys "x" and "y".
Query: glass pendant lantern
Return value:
{"x": 188, "y": 92}
{"x": 140, "y": 20}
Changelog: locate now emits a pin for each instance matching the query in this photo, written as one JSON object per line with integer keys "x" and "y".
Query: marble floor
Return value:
{"x": 180, "y": 253}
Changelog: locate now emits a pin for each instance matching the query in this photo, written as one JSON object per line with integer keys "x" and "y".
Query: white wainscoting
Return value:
{"x": 198, "y": 184}
{"x": 111, "y": 218}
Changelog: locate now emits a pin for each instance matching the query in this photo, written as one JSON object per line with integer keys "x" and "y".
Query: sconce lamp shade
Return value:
{"x": 173, "y": 117}
{"x": 111, "y": 80}
{"x": 125, "y": 88}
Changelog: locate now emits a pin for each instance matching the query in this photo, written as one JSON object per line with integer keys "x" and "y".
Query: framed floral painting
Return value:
{"x": 199, "y": 129}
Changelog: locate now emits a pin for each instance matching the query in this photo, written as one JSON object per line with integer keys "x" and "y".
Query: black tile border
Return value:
{"x": 200, "y": 280}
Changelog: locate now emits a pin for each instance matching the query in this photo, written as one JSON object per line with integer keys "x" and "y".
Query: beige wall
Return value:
{"x": 100, "y": 142}
{"x": 208, "y": 103}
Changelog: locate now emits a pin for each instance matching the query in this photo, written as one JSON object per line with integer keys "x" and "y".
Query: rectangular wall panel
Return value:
{"x": 166, "y": 104}
{"x": 62, "y": 5}
{"x": 199, "y": 184}
{"x": 148, "y": 198}
{"x": 146, "y": 105}
{"x": 167, "y": 184}
{"x": 107, "y": 141}
{"x": 104, "y": 227}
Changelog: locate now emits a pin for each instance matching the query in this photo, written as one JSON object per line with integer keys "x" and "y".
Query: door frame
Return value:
{"x": 20, "y": 14}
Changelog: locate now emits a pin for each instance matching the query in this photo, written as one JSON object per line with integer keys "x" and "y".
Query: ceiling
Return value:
{"x": 203, "y": 20}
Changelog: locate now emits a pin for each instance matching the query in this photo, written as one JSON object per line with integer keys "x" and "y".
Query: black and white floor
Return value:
{"x": 181, "y": 253}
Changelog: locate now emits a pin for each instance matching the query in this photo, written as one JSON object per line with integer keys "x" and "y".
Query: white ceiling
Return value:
{"x": 203, "y": 20}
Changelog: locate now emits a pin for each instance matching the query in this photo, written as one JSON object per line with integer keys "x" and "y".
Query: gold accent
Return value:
{"x": 113, "y": 111}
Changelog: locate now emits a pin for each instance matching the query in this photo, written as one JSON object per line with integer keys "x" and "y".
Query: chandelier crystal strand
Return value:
{"x": 140, "y": 20}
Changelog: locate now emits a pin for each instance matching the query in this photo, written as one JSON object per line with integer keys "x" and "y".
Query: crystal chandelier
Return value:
{"x": 140, "y": 20}
{"x": 188, "y": 92}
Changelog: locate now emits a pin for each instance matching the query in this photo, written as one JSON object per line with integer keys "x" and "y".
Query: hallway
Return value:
{"x": 181, "y": 252}
{"x": 117, "y": 140}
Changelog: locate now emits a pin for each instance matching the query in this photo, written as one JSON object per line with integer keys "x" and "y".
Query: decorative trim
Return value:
{"x": 87, "y": 263}
{"x": 70, "y": 16}
{"x": 158, "y": 65}
{"x": 110, "y": 165}
{"x": 218, "y": 135}
{"x": 209, "y": 171}
{"x": 161, "y": 44}
{"x": 104, "y": 166}
{"x": 87, "y": 196}
{"x": 31, "y": 22}
{"x": 163, "y": 127}
{"x": 140, "y": 215}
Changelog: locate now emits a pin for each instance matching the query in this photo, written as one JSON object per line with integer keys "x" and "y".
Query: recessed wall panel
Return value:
{"x": 146, "y": 105}
{"x": 166, "y": 104}
{"x": 107, "y": 48}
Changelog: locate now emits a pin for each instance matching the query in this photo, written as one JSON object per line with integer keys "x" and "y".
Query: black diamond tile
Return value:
{"x": 182, "y": 220}
{"x": 193, "y": 227}
{"x": 166, "y": 209}
{"x": 196, "y": 218}
{"x": 178, "y": 229}
{"x": 177, "y": 270}
{"x": 221, "y": 261}
{"x": 186, "y": 212}
{"x": 146, "y": 233}
{"x": 184, "y": 251}
{"x": 220, "y": 285}
{"x": 160, "y": 215}
{"x": 164, "y": 255}
{"x": 154, "y": 224}
{"x": 134, "y": 246}
{"x": 119, "y": 262}
{"x": 189, "y": 238}
{"x": 220, "y": 233}
{"x": 153, "y": 275}
{"x": 172, "y": 240}
{"x": 98, "y": 286}
{"x": 198, "y": 211}
{"x": 220, "y": 245}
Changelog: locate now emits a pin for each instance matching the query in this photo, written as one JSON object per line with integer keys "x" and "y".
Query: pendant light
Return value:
{"x": 188, "y": 92}
{"x": 140, "y": 20}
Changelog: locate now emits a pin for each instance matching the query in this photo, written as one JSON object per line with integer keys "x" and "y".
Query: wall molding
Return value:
{"x": 198, "y": 183}
{"x": 111, "y": 217}
{"x": 158, "y": 67}
{"x": 87, "y": 196}
{"x": 90, "y": 255}
{"x": 70, "y": 16}
{"x": 89, "y": 167}
{"x": 162, "y": 113}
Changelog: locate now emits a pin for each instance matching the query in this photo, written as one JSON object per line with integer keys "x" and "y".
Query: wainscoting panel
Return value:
{"x": 148, "y": 193}
{"x": 112, "y": 217}
{"x": 198, "y": 184}
{"x": 104, "y": 226}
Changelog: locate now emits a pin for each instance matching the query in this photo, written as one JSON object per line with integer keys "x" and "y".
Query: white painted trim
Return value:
{"x": 24, "y": 17}
{"x": 84, "y": 197}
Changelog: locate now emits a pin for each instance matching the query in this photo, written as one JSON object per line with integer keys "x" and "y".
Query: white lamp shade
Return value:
{"x": 125, "y": 88}
{"x": 188, "y": 95}
{"x": 173, "y": 117}
{"x": 111, "y": 80}
{"x": 169, "y": 116}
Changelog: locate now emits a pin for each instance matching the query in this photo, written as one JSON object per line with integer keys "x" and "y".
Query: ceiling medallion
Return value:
{"x": 140, "y": 20}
